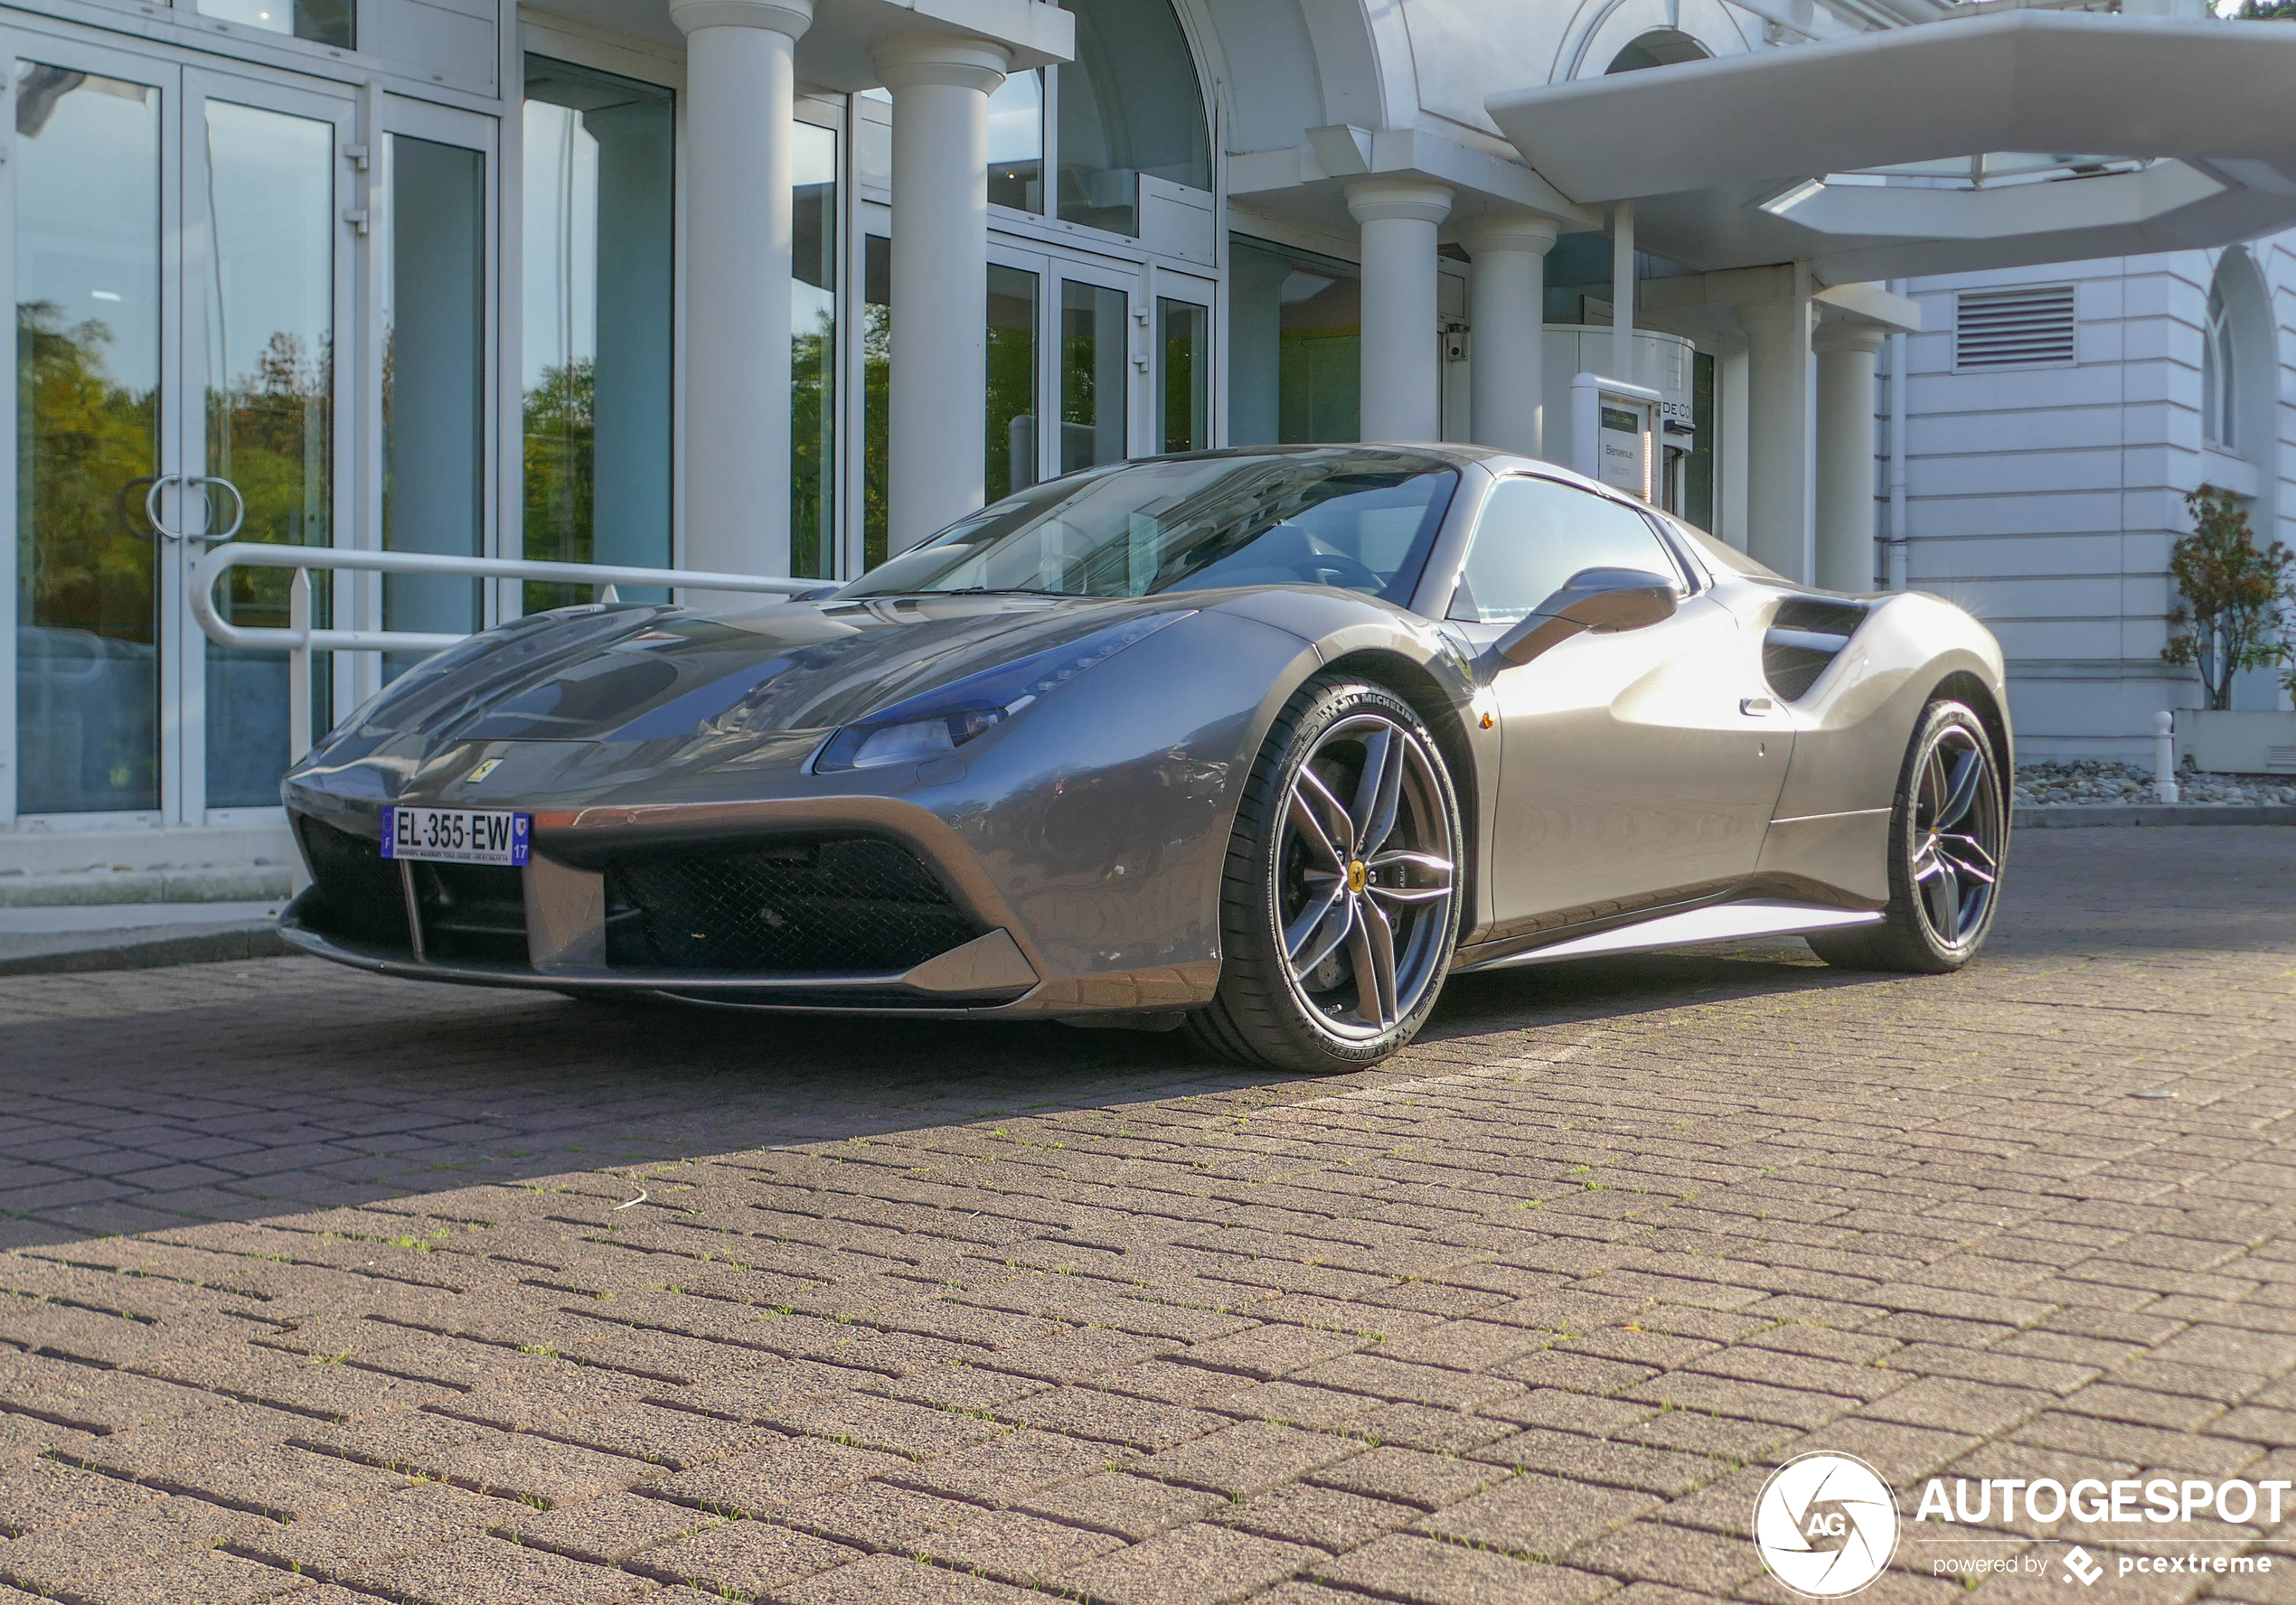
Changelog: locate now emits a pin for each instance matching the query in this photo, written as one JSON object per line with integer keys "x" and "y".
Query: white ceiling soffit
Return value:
{"x": 1702, "y": 146}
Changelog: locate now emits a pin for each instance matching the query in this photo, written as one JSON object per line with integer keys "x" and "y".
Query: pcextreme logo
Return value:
{"x": 1826, "y": 1525}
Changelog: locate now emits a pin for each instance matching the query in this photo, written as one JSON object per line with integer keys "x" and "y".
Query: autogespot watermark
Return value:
{"x": 1828, "y": 1524}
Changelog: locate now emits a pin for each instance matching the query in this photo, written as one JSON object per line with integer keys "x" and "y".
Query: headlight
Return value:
{"x": 947, "y": 716}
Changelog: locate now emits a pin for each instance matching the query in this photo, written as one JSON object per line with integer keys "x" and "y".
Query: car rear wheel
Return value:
{"x": 1339, "y": 906}
{"x": 1948, "y": 842}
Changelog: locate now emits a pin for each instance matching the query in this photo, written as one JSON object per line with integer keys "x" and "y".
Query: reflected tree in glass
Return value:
{"x": 88, "y": 378}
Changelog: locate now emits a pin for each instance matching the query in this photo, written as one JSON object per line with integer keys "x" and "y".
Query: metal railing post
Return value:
{"x": 299, "y": 667}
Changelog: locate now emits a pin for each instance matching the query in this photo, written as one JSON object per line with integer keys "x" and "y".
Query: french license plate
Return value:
{"x": 457, "y": 835}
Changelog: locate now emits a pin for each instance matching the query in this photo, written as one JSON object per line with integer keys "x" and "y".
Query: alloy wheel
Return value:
{"x": 1365, "y": 874}
{"x": 1956, "y": 838}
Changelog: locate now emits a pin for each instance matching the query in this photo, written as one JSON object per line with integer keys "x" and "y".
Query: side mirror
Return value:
{"x": 1591, "y": 599}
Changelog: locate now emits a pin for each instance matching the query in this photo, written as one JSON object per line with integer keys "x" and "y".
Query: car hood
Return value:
{"x": 636, "y": 673}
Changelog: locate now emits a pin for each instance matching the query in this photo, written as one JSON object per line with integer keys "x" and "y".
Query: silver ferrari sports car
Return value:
{"x": 1266, "y": 743}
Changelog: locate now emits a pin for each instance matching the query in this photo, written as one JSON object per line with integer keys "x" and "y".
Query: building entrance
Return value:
{"x": 180, "y": 288}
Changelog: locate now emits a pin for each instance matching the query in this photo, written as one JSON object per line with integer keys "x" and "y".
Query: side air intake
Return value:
{"x": 1807, "y": 634}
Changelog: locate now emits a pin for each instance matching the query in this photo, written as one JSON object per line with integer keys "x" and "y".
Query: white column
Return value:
{"x": 1508, "y": 307}
{"x": 1622, "y": 291}
{"x": 1845, "y": 445}
{"x": 1777, "y": 425}
{"x": 1400, "y": 395}
{"x": 738, "y": 103}
{"x": 938, "y": 412}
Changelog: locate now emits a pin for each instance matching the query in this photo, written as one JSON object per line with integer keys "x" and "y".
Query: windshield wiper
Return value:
{"x": 1000, "y": 591}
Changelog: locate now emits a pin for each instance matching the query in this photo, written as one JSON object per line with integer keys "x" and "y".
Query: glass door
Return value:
{"x": 95, "y": 400}
{"x": 179, "y": 272}
{"x": 266, "y": 289}
{"x": 1068, "y": 367}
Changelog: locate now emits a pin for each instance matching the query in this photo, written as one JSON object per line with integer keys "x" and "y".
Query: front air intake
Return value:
{"x": 824, "y": 904}
{"x": 1805, "y": 636}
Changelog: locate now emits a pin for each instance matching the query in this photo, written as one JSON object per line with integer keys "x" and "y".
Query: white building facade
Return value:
{"x": 2055, "y": 418}
{"x": 779, "y": 287}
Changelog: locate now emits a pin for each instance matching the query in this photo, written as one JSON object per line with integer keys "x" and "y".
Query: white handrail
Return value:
{"x": 299, "y": 640}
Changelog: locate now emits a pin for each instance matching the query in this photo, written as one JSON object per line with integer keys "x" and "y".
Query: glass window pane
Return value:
{"x": 1092, "y": 374}
{"x": 1534, "y": 534}
{"x": 596, "y": 382}
{"x": 270, "y": 413}
{"x": 1698, "y": 474}
{"x": 877, "y": 371}
{"x": 88, "y": 370}
{"x": 1294, "y": 326}
{"x": 813, "y": 354}
{"x": 1016, "y": 143}
{"x": 1129, "y": 104}
{"x": 434, "y": 374}
{"x": 324, "y": 21}
{"x": 1013, "y": 381}
{"x": 1183, "y": 376}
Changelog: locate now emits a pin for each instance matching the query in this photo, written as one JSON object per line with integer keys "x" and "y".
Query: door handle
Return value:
{"x": 1757, "y": 706}
{"x": 239, "y": 505}
{"x": 151, "y": 505}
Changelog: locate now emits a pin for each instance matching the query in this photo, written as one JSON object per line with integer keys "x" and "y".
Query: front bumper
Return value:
{"x": 567, "y": 923}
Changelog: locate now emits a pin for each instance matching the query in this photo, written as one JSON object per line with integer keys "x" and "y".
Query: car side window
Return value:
{"x": 1535, "y": 533}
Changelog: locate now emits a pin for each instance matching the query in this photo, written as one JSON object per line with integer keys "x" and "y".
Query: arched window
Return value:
{"x": 1128, "y": 107}
{"x": 2219, "y": 389}
{"x": 1661, "y": 47}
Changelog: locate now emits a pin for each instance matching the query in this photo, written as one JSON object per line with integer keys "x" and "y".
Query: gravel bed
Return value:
{"x": 2090, "y": 781}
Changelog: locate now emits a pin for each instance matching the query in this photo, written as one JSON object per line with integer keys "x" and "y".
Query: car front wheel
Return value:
{"x": 1339, "y": 905}
{"x": 1948, "y": 843}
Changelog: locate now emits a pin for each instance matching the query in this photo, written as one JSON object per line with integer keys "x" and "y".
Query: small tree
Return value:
{"x": 2229, "y": 595}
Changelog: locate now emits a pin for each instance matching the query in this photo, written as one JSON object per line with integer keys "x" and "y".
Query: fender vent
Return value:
{"x": 1805, "y": 636}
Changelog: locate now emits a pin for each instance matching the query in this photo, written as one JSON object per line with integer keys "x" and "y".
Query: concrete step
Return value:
{"x": 43, "y": 940}
{"x": 46, "y": 868}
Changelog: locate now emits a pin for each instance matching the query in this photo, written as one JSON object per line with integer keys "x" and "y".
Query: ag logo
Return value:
{"x": 1826, "y": 1525}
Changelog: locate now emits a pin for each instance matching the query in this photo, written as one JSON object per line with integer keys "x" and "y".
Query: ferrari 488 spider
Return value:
{"x": 1265, "y": 742}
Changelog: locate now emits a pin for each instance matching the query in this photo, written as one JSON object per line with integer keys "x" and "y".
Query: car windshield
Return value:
{"x": 1361, "y": 520}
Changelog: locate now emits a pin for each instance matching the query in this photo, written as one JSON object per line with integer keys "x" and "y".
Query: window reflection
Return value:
{"x": 270, "y": 415}
{"x": 1092, "y": 375}
{"x": 877, "y": 399}
{"x": 433, "y": 380}
{"x": 1295, "y": 328}
{"x": 1012, "y": 380}
{"x": 1129, "y": 104}
{"x": 599, "y": 187}
{"x": 1016, "y": 143}
{"x": 87, "y": 373}
{"x": 1183, "y": 330}
{"x": 813, "y": 354}
{"x": 323, "y": 22}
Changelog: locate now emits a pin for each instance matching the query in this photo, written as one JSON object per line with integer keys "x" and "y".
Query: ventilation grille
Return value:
{"x": 2032, "y": 327}
{"x": 824, "y": 904}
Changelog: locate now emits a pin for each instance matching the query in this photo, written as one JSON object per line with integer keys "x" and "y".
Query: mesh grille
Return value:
{"x": 354, "y": 893}
{"x": 826, "y": 905}
{"x": 2032, "y": 327}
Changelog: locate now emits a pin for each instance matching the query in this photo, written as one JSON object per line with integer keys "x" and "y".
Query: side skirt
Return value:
{"x": 1715, "y": 923}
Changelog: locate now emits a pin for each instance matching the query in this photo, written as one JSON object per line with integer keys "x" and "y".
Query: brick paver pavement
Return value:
{"x": 343, "y": 1288}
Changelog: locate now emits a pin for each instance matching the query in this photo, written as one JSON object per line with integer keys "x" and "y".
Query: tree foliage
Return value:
{"x": 88, "y": 445}
{"x": 2230, "y": 593}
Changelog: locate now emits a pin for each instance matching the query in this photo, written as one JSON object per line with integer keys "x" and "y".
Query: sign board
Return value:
{"x": 1615, "y": 431}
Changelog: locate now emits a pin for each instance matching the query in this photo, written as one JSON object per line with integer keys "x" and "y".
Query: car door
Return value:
{"x": 1638, "y": 766}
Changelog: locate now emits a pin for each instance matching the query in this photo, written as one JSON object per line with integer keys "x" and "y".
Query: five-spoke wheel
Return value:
{"x": 1948, "y": 840}
{"x": 1341, "y": 905}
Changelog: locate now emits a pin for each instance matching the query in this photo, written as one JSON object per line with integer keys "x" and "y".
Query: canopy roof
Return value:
{"x": 2182, "y": 131}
